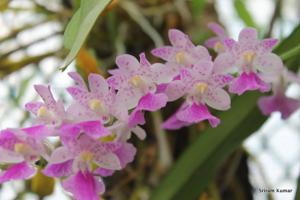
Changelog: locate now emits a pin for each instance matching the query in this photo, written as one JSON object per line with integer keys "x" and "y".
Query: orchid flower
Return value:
{"x": 98, "y": 102}
{"x": 182, "y": 52}
{"x": 80, "y": 159}
{"x": 134, "y": 79}
{"x": 251, "y": 59}
{"x": 20, "y": 149}
{"x": 216, "y": 42}
{"x": 279, "y": 101}
{"x": 201, "y": 87}
{"x": 50, "y": 112}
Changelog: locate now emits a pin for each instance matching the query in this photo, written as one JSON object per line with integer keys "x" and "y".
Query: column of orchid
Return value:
{"x": 94, "y": 130}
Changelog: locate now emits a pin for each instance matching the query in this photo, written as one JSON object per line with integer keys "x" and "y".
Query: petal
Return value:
{"x": 33, "y": 107}
{"x": 126, "y": 154}
{"x": 203, "y": 69}
{"x": 7, "y": 156}
{"x": 143, "y": 60}
{"x": 128, "y": 63}
{"x": 224, "y": 63}
{"x": 201, "y": 53}
{"x": 98, "y": 85}
{"x": 175, "y": 90}
{"x": 285, "y": 105}
{"x": 94, "y": 129}
{"x": 117, "y": 81}
{"x": 173, "y": 123}
{"x": 217, "y": 98}
{"x": 164, "y": 73}
{"x": 17, "y": 172}
{"x": 211, "y": 42}
{"x": 104, "y": 172}
{"x": 269, "y": 63}
{"x": 136, "y": 118}
{"x": 78, "y": 80}
{"x": 248, "y": 35}
{"x": 79, "y": 95}
{"x": 268, "y": 44}
{"x": 8, "y": 139}
{"x": 152, "y": 102}
{"x": 166, "y": 53}
{"x": 196, "y": 113}
{"x": 45, "y": 93}
{"x": 229, "y": 43}
{"x": 59, "y": 169}
{"x": 216, "y": 28}
{"x": 84, "y": 186}
{"x": 220, "y": 80}
{"x": 248, "y": 81}
{"x": 39, "y": 132}
{"x": 108, "y": 161}
{"x": 129, "y": 97}
{"x": 60, "y": 154}
{"x": 139, "y": 132}
{"x": 179, "y": 39}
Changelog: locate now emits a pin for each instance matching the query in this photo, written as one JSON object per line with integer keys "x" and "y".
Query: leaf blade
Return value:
{"x": 89, "y": 12}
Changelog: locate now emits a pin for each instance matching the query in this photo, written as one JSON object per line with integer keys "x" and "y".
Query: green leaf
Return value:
{"x": 243, "y": 13}
{"x": 198, "y": 6}
{"x": 195, "y": 169}
{"x": 80, "y": 26}
{"x": 290, "y": 42}
{"x": 298, "y": 189}
{"x": 72, "y": 30}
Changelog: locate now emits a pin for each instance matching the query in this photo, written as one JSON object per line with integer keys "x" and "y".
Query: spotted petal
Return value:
{"x": 84, "y": 186}
{"x": 217, "y": 98}
{"x": 17, "y": 172}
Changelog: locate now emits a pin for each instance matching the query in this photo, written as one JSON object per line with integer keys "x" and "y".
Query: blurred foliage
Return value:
{"x": 206, "y": 163}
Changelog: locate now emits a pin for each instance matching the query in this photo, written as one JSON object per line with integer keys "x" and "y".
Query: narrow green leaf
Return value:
{"x": 243, "y": 13}
{"x": 72, "y": 30}
{"x": 290, "y": 42}
{"x": 291, "y": 53}
{"x": 196, "y": 167}
{"x": 80, "y": 26}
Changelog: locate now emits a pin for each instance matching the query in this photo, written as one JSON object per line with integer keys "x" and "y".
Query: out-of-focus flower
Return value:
{"x": 80, "y": 158}
{"x": 216, "y": 42}
{"x": 279, "y": 101}
{"x": 20, "y": 149}
{"x": 98, "y": 102}
{"x": 50, "y": 112}
{"x": 251, "y": 59}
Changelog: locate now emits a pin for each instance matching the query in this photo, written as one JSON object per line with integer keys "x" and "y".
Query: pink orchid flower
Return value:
{"x": 217, "y": 41}
{"x": 201, "y": 87}
{"x": 251, "y": 59}
{"x": 134, "y": 79}
{"x": 20, "y": 149}
{"x": 80, "y": 159}
{"x": 50, "y": 112}
{"x": 98, "y": 102}
{"x": 182, "y": 52}
{"x": 279, "y": 101}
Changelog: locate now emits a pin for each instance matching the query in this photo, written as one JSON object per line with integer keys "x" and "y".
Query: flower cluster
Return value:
{"x": 95, "y": 128}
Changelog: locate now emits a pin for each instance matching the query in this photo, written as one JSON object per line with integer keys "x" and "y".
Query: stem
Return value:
{"x": 165, "y": 156}
{"x": 291, "y": 53}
